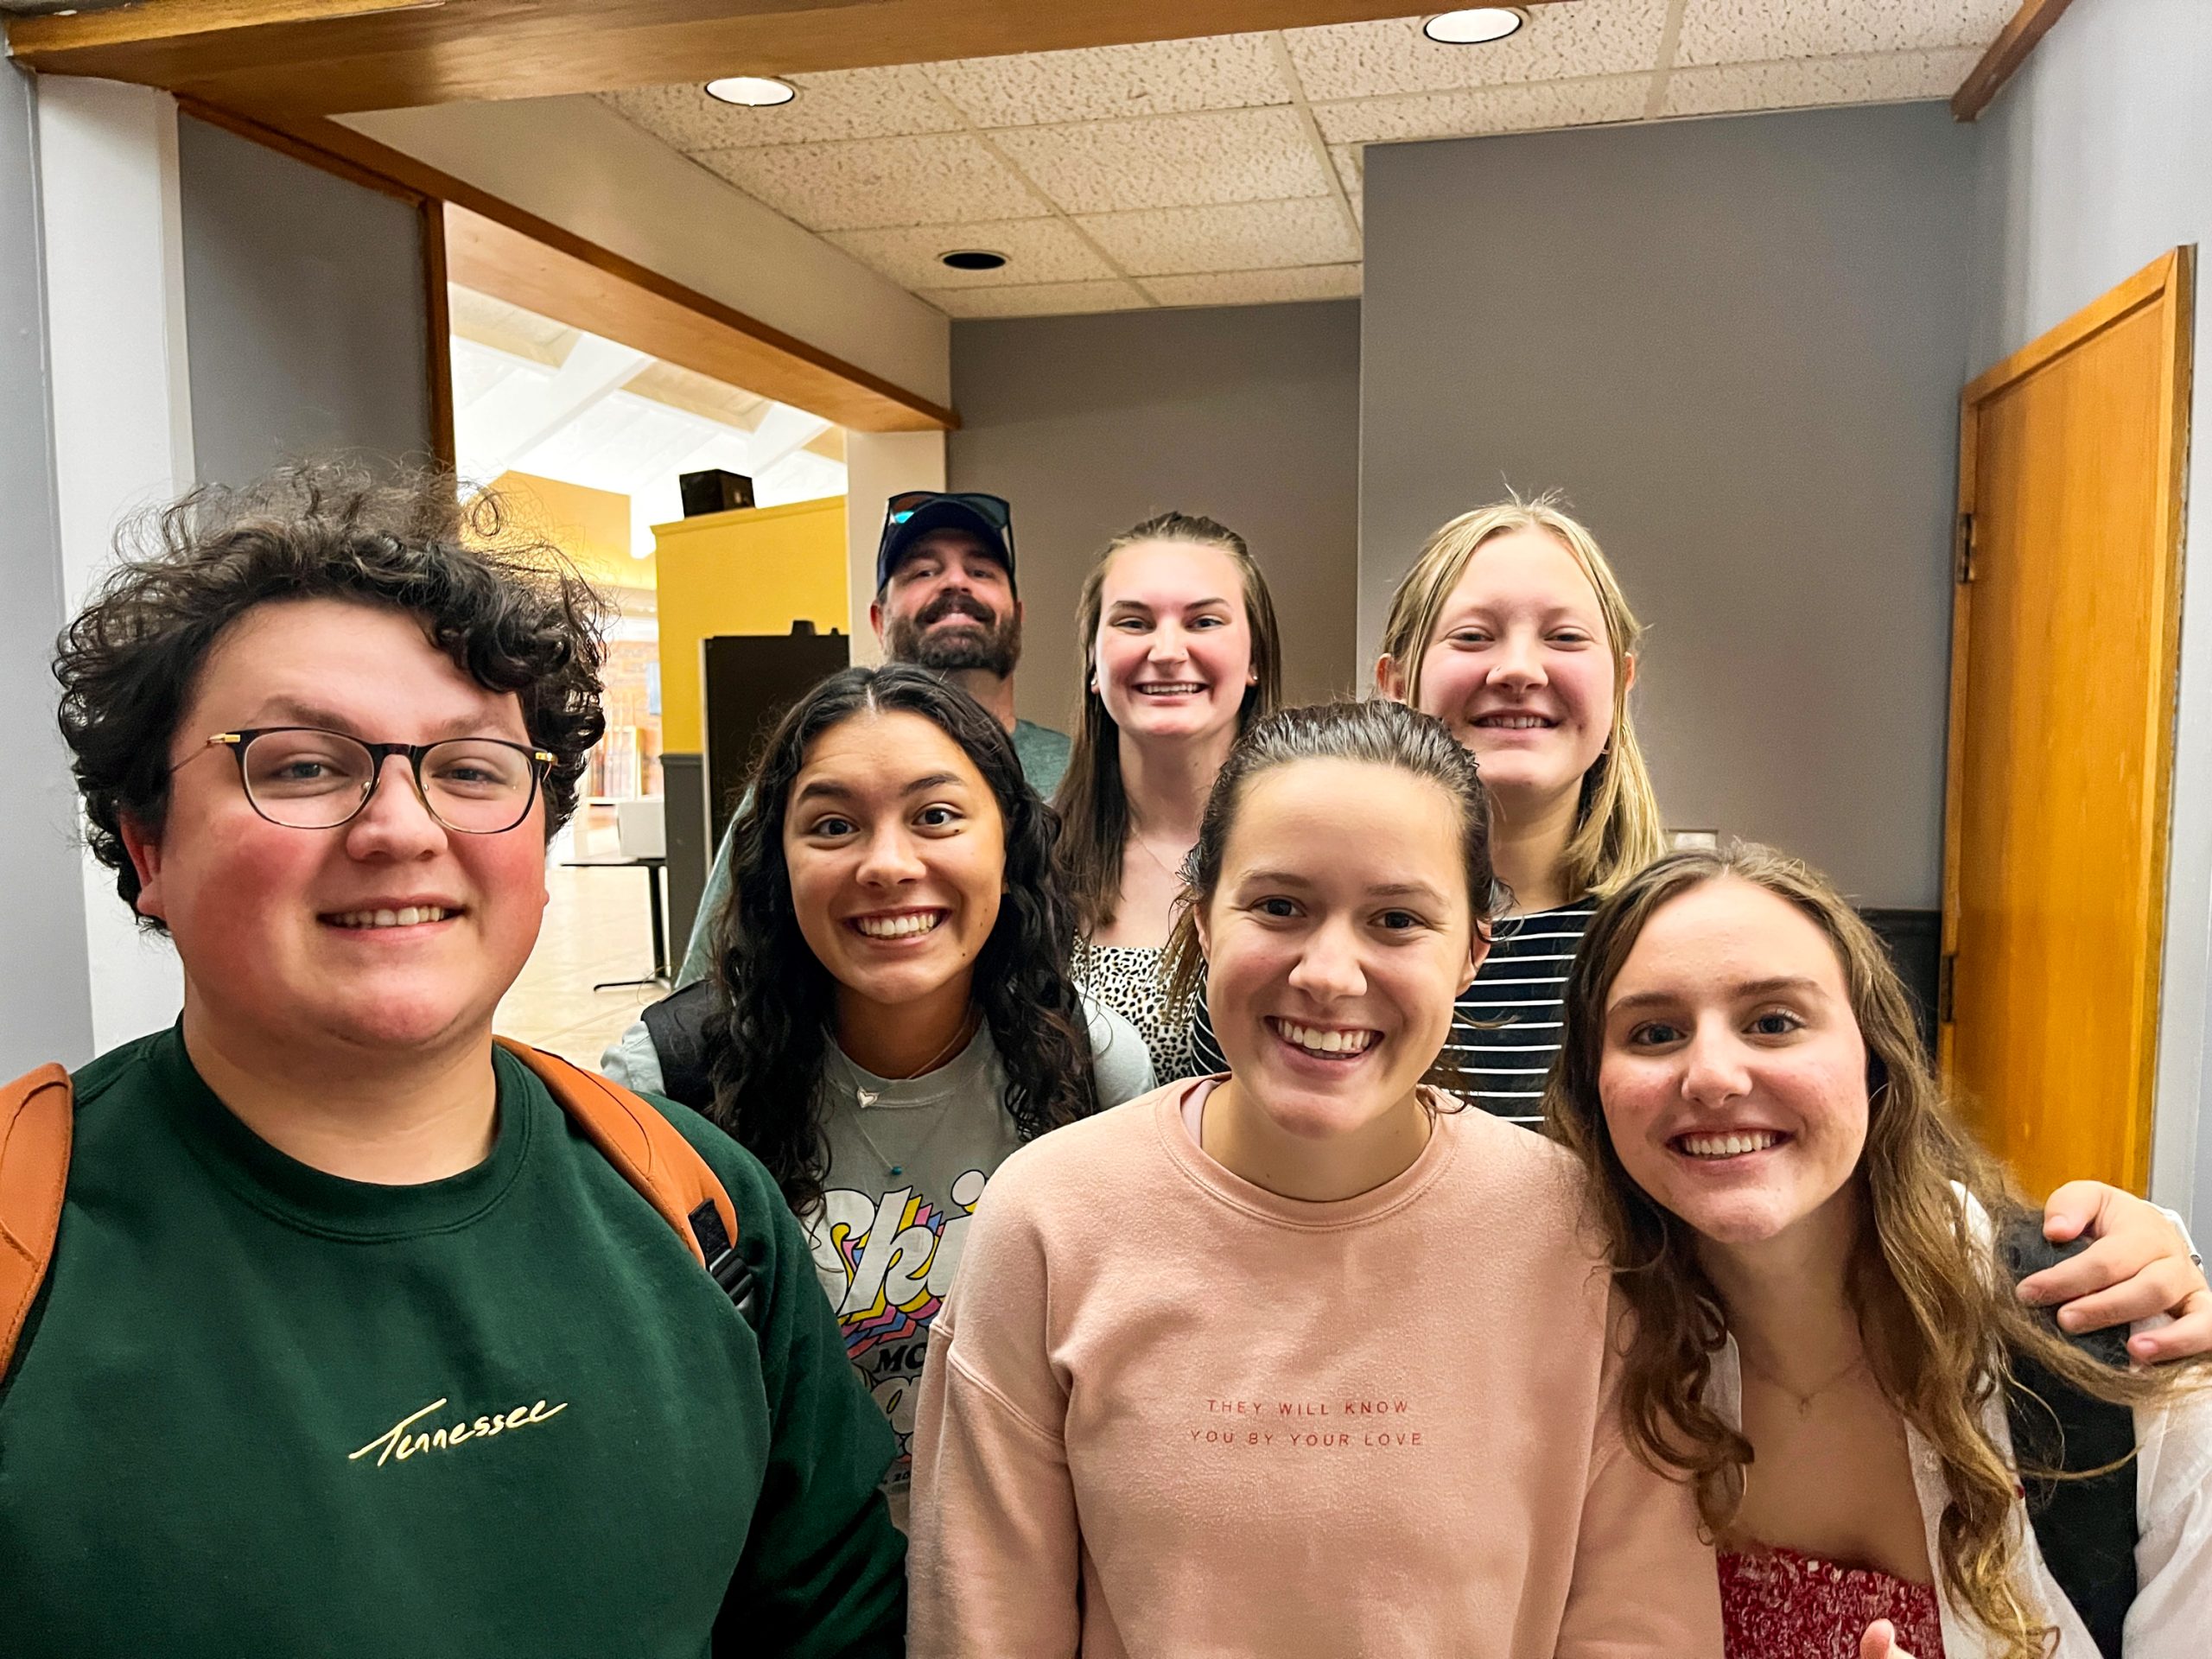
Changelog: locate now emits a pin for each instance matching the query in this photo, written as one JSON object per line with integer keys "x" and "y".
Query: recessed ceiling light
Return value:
{"x": 1474, "y": 25}
{"x": 754, "y": 92}
{"x": 972, "y": 259}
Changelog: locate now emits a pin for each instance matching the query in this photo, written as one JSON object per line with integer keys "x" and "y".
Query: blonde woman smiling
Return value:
{"x": 1513, "y": 630}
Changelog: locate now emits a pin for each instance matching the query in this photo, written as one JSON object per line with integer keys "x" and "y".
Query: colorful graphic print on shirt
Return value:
{"x": 886, "y": 1263}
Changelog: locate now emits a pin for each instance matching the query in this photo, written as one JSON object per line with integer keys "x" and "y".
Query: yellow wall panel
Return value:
{"x": 592, "y": 526}
{"x": 754, "y": 570}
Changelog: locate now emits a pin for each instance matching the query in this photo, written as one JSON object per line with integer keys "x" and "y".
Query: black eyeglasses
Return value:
{"x": 305, "y": 777}
{"x": 993, "y": 510}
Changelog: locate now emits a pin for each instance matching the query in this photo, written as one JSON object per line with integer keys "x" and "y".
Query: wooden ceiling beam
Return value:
{"x": 2005, "y": 54}
{"x": 329, "y": 57}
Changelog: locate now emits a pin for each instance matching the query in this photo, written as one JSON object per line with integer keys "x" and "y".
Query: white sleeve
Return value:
{"x": 2172, "y": 1609}
{"x": 2181, "y": 1227}
{"x": 632, "y": 1061}
{"x": 1120, "y": 1063}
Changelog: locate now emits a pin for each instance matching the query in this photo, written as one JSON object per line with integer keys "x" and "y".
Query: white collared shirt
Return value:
{"x": 2172, "y": 1616}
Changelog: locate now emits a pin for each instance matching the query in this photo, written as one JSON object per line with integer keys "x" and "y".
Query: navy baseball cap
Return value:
{"x": 913, "y": 514}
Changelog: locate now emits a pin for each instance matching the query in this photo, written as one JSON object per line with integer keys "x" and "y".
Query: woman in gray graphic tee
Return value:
{"x": 892, "y": 1012}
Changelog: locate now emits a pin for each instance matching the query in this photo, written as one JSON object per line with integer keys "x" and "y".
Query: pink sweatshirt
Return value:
{"x": 1168, "y": 1412}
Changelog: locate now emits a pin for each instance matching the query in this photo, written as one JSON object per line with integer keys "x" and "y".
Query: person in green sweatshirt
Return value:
{"x": 351, "y": 1343}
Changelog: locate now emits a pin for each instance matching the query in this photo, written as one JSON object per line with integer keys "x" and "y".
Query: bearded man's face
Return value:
{"x": 949, "y": 606}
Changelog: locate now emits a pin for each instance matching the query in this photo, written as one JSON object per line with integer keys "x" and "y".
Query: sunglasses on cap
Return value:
{"x": 993, "y": 510}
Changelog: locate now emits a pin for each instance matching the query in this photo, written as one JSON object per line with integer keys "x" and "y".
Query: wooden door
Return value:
{"x": 2064, "y": 638}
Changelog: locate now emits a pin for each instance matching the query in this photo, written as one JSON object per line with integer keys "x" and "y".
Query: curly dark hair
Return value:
{"x": 510, "y": 610}
{"x": 774, "y": 1000}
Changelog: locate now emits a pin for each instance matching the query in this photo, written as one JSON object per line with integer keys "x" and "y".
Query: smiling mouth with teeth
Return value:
{"x": 1734, "y": 1144}
{"x": 904, "y": 926}
{"x": 1515, "y": 723}
{"x": 1323, "y": 1042}
{"x": 409, "y": 916}
{"x": 1170, "y": 688}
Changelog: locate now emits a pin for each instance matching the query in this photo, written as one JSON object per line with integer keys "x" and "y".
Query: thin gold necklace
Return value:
{"x": 1172, "y": 872}
{"x": 1803, "y": 1401}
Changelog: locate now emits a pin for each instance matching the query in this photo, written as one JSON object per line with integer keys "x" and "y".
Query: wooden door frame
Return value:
{"x": 2170, "y": 277}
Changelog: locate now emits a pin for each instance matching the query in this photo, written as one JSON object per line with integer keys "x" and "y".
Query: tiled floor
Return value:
{"x": 595, "y": 929}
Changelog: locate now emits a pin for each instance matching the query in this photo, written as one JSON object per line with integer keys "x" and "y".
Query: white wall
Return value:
{"x": 45, "y": 994}
{"x": 576, "y": 162}
{"x": 121, "y": 418}
{"x": 2095, "y": 161}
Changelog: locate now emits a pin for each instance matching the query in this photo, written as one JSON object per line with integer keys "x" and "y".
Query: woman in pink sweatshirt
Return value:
{"x": 1306, "y": 1361}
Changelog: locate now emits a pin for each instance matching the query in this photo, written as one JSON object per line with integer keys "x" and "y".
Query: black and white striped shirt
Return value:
{"x": 1506, "y": 1029}
{"x": 1500, "y": 1063}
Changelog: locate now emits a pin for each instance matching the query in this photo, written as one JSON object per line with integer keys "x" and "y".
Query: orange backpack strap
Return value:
{"x": 36, "y": 1115}
{"x": 653, "y": 1156}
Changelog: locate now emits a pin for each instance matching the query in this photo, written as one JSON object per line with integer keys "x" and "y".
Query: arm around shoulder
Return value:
{"x": 996, "y": 1544}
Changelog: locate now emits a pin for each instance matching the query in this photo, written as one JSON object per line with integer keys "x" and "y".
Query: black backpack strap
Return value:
{"x": 2086, "y": 1528}
{"x": 678, "y": 1024}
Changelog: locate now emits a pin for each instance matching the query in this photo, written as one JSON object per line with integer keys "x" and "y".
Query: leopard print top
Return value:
{"x": 1130, "y": 979}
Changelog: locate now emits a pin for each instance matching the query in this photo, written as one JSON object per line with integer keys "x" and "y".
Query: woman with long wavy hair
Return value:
{"x": 1180, "y": 656}
{"x": 1512, "y": 629}
{"x": 891, "y": 1011}
{"x": 1824, "y": 1339}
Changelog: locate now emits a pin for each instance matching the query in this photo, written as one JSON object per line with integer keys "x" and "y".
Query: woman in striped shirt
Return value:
{"x": 1527, "y": 652}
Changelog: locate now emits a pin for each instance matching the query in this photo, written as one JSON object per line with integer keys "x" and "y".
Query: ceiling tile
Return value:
{"x": 1488, "y": 109}
{"x": 1240, "y": 236}
{"x": 1037, "y": 251}
{"x": 1591, "y": 37}
{"x": 1255, "y": 286}
{"x": 943, "y": 178}
{"x": 1174, "y": 160}
{"x": 1886, "y": 78}
{"x": 1742, "y": 31}
{"x": 848, "y": 103}
{"x": 1226, "y": 71}
{"x": 1036, "y": 299}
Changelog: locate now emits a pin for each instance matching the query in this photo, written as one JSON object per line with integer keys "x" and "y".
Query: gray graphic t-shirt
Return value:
{"x": 909, "y": 1160}
{"x": 908, "y": 1163}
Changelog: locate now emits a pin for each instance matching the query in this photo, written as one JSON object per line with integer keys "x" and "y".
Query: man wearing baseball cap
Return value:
{"x": 945, "y": 601}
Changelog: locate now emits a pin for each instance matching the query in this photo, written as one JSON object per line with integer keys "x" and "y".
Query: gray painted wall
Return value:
{"x": 1088, "y": 425}
{"x": 46, "y": 1013}
{"x": 2093, "y": 163}
{"x": 1737, "y": 344}
{"x": 305, "y": 322}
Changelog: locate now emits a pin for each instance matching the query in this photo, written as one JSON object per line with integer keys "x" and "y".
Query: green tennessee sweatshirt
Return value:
{"x": 260, "y": 1409}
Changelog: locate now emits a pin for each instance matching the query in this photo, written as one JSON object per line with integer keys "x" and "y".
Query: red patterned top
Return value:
{"x": 1778, "y": 1603}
